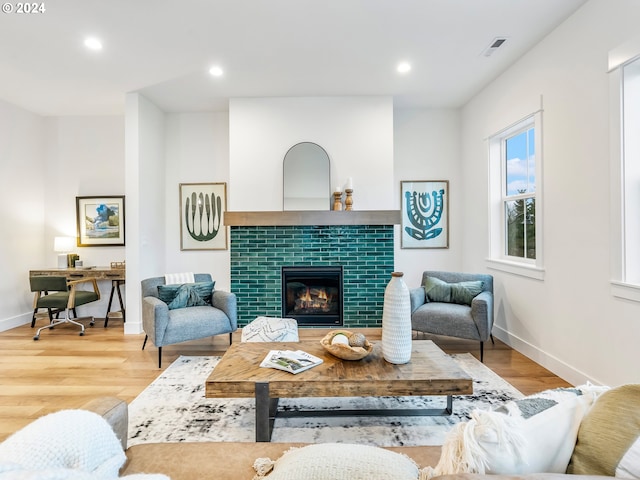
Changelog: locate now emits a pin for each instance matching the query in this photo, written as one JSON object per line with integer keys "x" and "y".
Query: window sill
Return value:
{"x": 529, "y": 271}
{"x": 628, "y": 291}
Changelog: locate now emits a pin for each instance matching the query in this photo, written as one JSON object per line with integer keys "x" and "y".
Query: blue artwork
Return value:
{"x": 424, "y": 214}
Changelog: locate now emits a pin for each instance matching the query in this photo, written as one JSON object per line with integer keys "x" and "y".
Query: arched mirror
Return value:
{"x": 306, "y": 178}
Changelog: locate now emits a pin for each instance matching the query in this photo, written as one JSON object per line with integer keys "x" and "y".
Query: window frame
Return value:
{"x": 621, "y": 285}
{"x": 498, "y": 256}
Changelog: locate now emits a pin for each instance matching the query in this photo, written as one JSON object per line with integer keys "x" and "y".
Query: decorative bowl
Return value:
{"x": 343, "y": 351}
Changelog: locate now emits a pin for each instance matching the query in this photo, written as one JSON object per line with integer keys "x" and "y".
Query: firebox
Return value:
{"x": 312, "y": 295}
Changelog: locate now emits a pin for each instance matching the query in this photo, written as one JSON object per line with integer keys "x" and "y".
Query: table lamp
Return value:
{"x": 63, "y": 245}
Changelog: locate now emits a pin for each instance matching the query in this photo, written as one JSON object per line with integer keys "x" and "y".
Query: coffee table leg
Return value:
{"x": 449, "y": 409}
{"x": 265, "y": 412}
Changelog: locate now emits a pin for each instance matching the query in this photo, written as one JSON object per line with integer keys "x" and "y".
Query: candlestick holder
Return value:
{"x": 337, "y": 200}
{"x": 348, "y": 201}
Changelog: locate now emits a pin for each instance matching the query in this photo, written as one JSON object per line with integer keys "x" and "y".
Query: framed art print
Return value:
{"x": 100, "y": 221}
{"x": 425, "y": 214}
{"x": 202, "y": 207}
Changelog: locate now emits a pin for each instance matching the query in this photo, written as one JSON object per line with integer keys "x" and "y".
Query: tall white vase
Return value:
{"x": 396, "y": 321}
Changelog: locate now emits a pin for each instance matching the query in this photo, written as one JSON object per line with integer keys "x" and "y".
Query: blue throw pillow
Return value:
{"x": 167, "y": 293}
{"x": 461, "y": 293}
{"x": 187, "y": 296}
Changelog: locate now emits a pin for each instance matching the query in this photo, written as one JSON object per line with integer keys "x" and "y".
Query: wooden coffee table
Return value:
{"x": 430, "y": 372}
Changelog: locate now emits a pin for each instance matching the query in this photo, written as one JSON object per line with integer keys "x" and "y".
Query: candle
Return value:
{"x": 349, "y": 183}
{"x": 338, "y": 189}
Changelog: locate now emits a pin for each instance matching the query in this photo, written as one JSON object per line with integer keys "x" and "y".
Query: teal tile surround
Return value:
{"x": 365, "y": 252}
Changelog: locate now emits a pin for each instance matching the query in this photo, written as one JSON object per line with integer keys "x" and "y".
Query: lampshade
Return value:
{"x": 64, "y": 244}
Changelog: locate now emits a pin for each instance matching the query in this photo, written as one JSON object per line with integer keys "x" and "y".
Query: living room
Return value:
{"x": 144, "y": 153}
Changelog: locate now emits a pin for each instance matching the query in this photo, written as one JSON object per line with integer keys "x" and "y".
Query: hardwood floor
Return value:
{"x": 64, "y": 370}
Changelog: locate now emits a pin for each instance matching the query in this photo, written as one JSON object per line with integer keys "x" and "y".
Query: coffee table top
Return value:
{"x": 429, "y": 372}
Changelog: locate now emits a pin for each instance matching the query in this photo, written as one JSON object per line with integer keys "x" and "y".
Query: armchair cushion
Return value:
{"x": 461, "y": 293}
{"x": 186, "y": 296}
{"x": 168, "y": 293}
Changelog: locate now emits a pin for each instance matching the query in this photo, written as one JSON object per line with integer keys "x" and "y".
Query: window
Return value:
{"x": 514, "y": 169}
{"x": 624, "y": 77}
{"x": 631, "y": 170}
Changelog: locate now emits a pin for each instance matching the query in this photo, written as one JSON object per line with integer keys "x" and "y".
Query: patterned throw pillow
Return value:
{"x": 609, "y": 436}
{"x": 337, "y": 461}
{"x": 461, "y": 293}
{"x": 167, "y": 293}
{"x": 270, "y": 329}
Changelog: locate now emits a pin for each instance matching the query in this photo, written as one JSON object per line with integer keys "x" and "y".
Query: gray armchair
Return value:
{"x": 472, "y": 322}
{"x": 166, "y": 327}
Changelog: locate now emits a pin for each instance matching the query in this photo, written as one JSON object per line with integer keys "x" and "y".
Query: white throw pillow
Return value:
{"x": 532, "y": 435}
{"x": 337, "y": 461}
{"x": 179, "y": 278}
{"x": 271, "y": 329}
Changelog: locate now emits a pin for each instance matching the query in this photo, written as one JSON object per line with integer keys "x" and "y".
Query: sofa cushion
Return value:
{"x": 338, "y": 461}
{"x": 461, "y": 293}
{"x": 167, "y": 293}
{"x": 530, "y": 435}
{"x": 609, "y": 437}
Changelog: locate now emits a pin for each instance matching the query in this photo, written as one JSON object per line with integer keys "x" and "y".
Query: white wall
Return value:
{"x": 22, "y": 207}
{"x": 356, "y": 132}
{"x": 427, "y": 147}
{"x": 569, "y": 322}
{"x": 197, "y": 151}
{"x": 145, "y": 180}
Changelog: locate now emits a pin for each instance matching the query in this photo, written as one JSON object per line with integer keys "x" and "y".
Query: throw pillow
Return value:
{"x": 186, "y": 296}
{"x": 337, "y": 461}
{"x": 609, "y": 436}
{"x": 532, "y": 435}
{"x": 186, "y": 277}
{"x": 67, "y": 439}
{"x": 269, "y": 329}
{"x": 461, "y": 293}
{"x": 167, "y": 293}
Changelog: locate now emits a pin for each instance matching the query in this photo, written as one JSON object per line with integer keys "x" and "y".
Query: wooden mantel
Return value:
{"x": 329, "y": 217}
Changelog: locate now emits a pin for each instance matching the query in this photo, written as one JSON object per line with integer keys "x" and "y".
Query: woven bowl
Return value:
{"x": 345, "y": 352}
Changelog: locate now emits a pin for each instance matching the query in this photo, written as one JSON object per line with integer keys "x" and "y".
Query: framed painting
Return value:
{"x": 425, "y": 214}
{"x": 100, "y": 221}
{"x": 202, "y": 207}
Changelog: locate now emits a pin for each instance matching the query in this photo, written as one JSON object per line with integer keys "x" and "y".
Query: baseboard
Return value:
{"x": 13, "y": 322}
{"x": 548, "y": 361}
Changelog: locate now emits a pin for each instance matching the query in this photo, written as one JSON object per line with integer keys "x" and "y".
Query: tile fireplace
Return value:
{"x": 364, "y": 254}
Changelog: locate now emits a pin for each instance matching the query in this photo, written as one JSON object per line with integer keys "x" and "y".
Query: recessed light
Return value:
{"x": 92, "y": 43}
{"x": 404, "y": 67}
{"x": 216, "y": 71}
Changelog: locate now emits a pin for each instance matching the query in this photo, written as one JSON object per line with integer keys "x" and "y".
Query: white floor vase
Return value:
{"x": 396, "y": 321}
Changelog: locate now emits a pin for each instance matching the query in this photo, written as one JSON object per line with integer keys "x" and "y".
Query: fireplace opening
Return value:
{"x": 312, "y": 295}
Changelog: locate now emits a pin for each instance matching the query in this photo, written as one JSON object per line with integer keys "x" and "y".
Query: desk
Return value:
{"x": 116, "y": 275}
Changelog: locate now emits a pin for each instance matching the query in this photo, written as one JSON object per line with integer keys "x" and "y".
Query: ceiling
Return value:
{"x": 164, "y": 49}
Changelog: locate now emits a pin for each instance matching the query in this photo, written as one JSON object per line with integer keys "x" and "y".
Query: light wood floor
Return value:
{"x": 64, "y": 370}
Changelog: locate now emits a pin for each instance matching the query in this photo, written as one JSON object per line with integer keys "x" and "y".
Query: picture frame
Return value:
{"x": 202, "y": 208}
{"x": 425, "y": 214}
{"x": 100, "y": 221}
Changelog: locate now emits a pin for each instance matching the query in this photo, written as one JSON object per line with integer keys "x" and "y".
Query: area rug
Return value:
{"x": 173, "y": 409}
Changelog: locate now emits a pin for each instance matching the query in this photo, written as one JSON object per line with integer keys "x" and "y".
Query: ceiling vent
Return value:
{"x": 495, "y": 45}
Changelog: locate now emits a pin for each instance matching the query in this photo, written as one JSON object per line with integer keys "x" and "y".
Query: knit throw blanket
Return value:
{"x": 66, "y": 445}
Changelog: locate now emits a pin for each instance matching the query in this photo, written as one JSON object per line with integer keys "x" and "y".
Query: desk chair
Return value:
{"x": 56, "y": 294}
